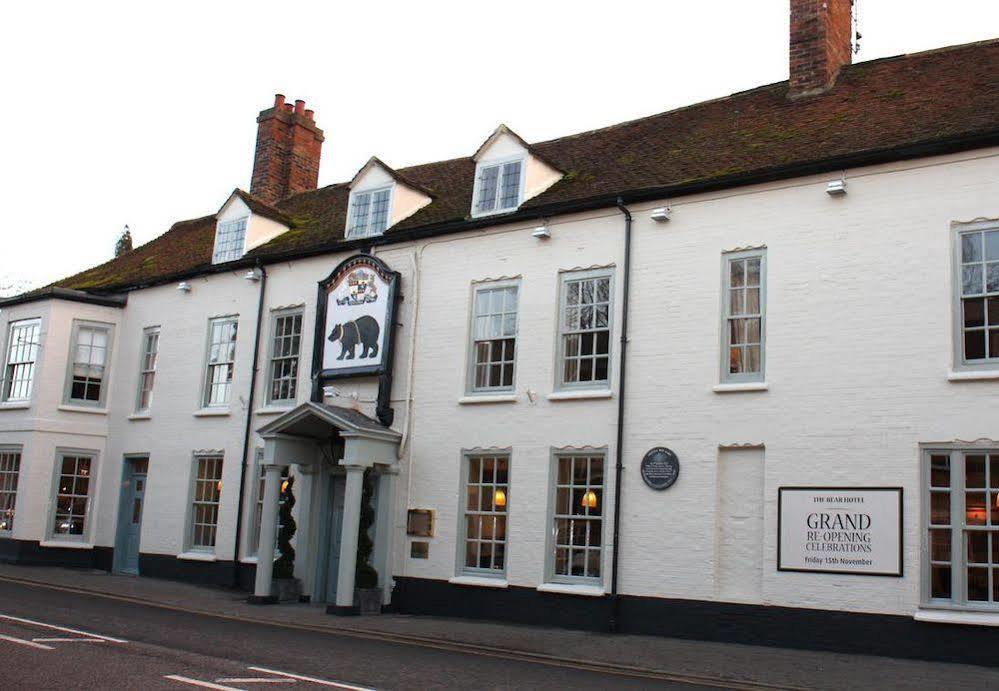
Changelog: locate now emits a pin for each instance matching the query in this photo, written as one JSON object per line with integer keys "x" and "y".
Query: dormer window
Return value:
{"x": 369, "y": 213}
{"x": 230, "y": 239}
{"x": 498, "y": 187}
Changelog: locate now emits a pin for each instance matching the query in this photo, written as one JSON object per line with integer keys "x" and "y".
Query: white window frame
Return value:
{"x": 206, "y": 377}
{"x": 193, "y": 502}
{"x": 561, "y": 331}
{"x": 352, "y": 233}
{"x": 477, "y": 185}
{"x": 477, "y": 288}
{"x": 148, "y": 335}
{"x": 222, "y": 227}
{"x": 960, "y": 362}
{"x": 9, "y": 483}
{"x": 277, "y": 315}
{"x": 68, "y": 399}
{"x": 257, "y": 505}
{"x": 467, "y": 456}
{"x": 90, "y": 504}
{"x": 725, "y": 375}
{"x": 29, "y": 323}
{"x": 958, "y": 563}
{"x": 550, "y": 516}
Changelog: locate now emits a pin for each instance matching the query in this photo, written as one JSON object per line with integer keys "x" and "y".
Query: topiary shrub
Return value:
{"x": 284, "y": 567}
{"x": 365, "y": 576}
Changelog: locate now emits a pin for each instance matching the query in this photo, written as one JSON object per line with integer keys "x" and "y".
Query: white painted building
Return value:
{"x": 809, "y": 277}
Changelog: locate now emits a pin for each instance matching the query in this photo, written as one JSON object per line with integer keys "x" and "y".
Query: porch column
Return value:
{"x": 268, "y": 534}
{"x": 385, "y": 529}
{"x": 348, "y": 539}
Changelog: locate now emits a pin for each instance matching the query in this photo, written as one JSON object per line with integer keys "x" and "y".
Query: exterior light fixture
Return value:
{"x": 218, "y": 486}
{"x": 660, "y": 215}
{"x": 252, "y": 275}
{"x": 542, "y": 232}
{"x": 184, "y": 287}
{"x": 836, "y": 188}
{"x": 589, "y": 500}
{"x": 284, "y": 487}
{"x": 499, "y": 498}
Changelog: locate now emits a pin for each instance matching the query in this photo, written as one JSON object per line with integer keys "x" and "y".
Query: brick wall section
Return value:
{"x": 820, "y": 44}
{"x": 289, "y": 144}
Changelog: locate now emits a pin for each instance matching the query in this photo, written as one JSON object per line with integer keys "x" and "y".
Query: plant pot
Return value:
{"x": 368, "y": 600}
{"x": 286, "y": 589}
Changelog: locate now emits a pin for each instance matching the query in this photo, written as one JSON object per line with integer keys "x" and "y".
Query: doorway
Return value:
{"x": 328, "y": 564}
{"x": 130, "y": 510}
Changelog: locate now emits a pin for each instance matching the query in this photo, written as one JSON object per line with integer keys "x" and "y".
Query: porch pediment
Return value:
{"x": 313, "y": 421}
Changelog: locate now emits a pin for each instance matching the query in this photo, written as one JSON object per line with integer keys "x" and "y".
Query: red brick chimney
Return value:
{"x": 288, "y": 146}
{"x": 820, "y": 44}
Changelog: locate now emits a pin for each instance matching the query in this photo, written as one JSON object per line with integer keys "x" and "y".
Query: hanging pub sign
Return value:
{"x": 660, "y": 468}
{"x": 854, "y": 530}
{"x": 355, "y": 318}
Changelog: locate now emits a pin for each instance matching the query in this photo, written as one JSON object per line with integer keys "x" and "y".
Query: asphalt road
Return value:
{"x": 51, "y": 639}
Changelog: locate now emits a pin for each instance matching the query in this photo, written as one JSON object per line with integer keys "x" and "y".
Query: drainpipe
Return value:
{"x": 619, "y": 466}
{"x": 249, "y": 424}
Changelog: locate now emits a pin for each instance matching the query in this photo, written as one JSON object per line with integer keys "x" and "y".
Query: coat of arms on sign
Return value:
{"x": 361, "y": 289}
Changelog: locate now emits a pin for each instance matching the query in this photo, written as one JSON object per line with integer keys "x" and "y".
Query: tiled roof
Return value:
{"x": 906, "y": 106}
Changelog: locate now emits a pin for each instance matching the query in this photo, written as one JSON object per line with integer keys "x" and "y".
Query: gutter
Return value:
{"x": 622, "y": 380}
{"x": 249, "y": 426}
{"x": 922, "y": 149}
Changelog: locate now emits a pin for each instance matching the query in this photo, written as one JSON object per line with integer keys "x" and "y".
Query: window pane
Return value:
{"x": 971, "y": 247}
{"x": 992, "y": 245}
{"x": 974, "y": 474}
{"x": 992, "y": 277}
{"x": 971, "y": 280}
{"x": 974, "y": 312}
{"x": 975, "y": 508}
{"x": 940, "y": 508}
{"x": 940, "y": 545}
{"x": 487, "y": 188}
{"x": 737, "y": 273}
{"x": 978, "y": 547}
{"x": 974, "y": 345}
{"x": 940, "y": 582}
{"x": 940, "y": 471}
{"x": 978, "y": 584}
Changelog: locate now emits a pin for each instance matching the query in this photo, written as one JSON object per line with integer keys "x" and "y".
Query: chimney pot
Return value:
{"x": 310, "y": 115}
{"x": 299, "y": 107}
{"x": 278, "y": 100}
{"x": 289, "y": 108}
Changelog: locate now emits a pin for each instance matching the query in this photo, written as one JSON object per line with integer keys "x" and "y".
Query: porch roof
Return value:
{"x": 312, "y": 420}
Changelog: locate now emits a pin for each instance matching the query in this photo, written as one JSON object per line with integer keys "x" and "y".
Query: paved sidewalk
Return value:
{"x": 737, "y": 663}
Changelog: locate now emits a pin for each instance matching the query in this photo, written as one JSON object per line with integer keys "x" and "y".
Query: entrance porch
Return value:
{"x": 332, "y": 448}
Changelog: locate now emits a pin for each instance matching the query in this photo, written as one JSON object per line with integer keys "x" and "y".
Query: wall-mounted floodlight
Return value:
{"x": 252, "y": 275}
{"x": 836, "y": 188}
{"x": 542, "y": 232}
{"x": 660, "y": 215}
{"x": 184, "y": 287}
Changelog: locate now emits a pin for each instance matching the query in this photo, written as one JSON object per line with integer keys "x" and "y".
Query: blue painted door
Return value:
{"x": 334, "y": 526}
{"x": 130, "y": 518}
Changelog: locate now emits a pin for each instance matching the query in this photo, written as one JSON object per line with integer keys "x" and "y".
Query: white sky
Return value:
{"x": 114, "y": 113}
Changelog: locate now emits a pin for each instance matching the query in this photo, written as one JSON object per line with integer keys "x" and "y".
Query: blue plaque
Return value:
{"x": 660, "y": 468}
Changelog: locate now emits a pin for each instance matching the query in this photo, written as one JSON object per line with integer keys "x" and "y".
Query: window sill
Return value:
{"x": 972, "y": 375}
{"x": 738, "y": 387}
{"x": 15, "y": 405}
{"x": 140, "y": 416}
{"x": 212, "y": 412}
{"x": 273, "y": 410}
{"x": 949, "y": 616}
{"x": 580, "y": 395}
{"x": 197, "y": 556}
{"x": 65, "y": 407}
{"x": 473, "y": 399}
{"x": 481, "y": 581}
{"x": 572, "y": 589}
{"x": 66, "y": 544}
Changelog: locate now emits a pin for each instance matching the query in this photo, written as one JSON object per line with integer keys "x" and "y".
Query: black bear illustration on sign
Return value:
{"x": 363, "y": 331}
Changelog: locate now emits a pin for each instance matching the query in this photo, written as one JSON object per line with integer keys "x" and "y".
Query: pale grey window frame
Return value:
{"x": 79, "y": 324}
{"x": 54, "y": 494}
{"x": 10, "y": 475}
{"x": 960, "y": 362}
{"x": 34, "y": 325}
{"x": 193, "y": 502}
{"x": 957, "y": 527}
{"x": 369, "y": 228}
{"x": 551, "y": 516}
{"x": 561, "y": 331}
{"x": 149, "y": 348}
{"x": 206, "y": 380}
{"x": 726, "y": 376}
{"x": 500, "y": 163}
{"x": 464, "y": 512}
{"x": 258, "y": 503}
{"x": 272, "y": 360}
{"x": 226, "y": 232}
{"x": 472, "y": 361}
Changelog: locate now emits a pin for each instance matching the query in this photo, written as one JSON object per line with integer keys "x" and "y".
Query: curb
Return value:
{"x": 633, "y": 671}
